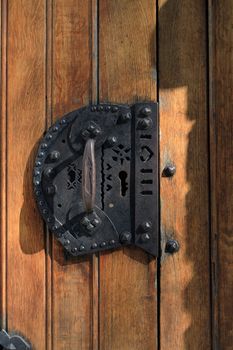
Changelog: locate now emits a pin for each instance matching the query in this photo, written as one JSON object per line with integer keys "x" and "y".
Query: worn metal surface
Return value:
{"x": 13, "y": 342}
{"x": 96, "y": 178}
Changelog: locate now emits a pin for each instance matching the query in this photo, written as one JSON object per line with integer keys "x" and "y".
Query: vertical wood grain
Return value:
{"x": 25, "y": 124}
{"x": 221, "y": 151}
{"x": 185, "y": 281}
{"x": 127, "y": 73}
{"x": 73, "y": 78}
{"x": 3, "y": 160}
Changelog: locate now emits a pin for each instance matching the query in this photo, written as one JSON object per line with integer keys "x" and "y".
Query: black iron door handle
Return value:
{"x": 89, "y": 176}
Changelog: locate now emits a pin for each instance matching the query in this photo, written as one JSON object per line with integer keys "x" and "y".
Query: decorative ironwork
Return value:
{"x": 13, "y": 342}
{"x": 96, "y": 178}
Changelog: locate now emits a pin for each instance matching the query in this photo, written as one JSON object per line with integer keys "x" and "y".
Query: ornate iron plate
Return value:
{"x": 96, "y": 178}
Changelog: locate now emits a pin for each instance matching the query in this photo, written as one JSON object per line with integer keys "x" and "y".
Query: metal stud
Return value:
{"x": 144, "y": 124}
{"x": 169, "y": 170}
{"x": 44, "y": 145}
{"x": 146, "y": 111}
{"x": 54, "y": 155}
{"x": 74, "y": 250}
{"x": 55, "y": 128}
{"x": 38, "y": 163}
{"x": 111, "y": 141}
{"x": 63, "y": 121}
{"x": 124, "y": 118}
{"x": 81, "y": 248}
{"x": 146, "y": 226}
{"x": 115, "y": 109}
{"x": 41, "y": 154}
{"x": 93, "y": 108}
{"x": 172, "y": 246}
{"x": 112, "y": 241}
{"x": 36, "y": 182}
{"x": 45, "y": 211}
{"x": 145, "y": 237}
{"x": 103, "y": 244}
{"x": 125, "y": 237}
{"x": 48, "y": 137}
{"x": 67, "y": 242}
{"x": 94, "y": 246}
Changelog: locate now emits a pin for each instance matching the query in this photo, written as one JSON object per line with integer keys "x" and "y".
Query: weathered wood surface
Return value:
{"x": 184, "y": 277}
{"x": 221, "y": 161}
{"x": 71, "y": 88}
{"x": 25, "y": 120}
{"x": 127, "y": 73}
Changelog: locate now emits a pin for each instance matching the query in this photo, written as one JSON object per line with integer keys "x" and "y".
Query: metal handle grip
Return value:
{"x": 89, "y": 176}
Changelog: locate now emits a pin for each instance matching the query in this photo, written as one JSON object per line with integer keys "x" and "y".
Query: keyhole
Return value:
{"x": 124, "y": 184}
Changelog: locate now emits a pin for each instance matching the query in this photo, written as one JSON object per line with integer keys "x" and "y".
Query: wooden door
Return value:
{"x": 59, "y": 55}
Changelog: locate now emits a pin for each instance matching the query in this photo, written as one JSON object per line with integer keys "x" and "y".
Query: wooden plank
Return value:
{"x": 221, "y": 151}
{"x": 25, "y": 124}
{"x": 74, "y": 280}
{"x": 3, "y": 164}
{"x": 127, "y": 72}
{"x": 184, "y": 284}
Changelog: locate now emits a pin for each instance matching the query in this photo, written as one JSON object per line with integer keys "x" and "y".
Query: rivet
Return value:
{"x": 144, "y": 124}
{"x": 38, "y": 163}
{"x": 37, "y": 193}
{"x": 74, "y": 250}
{"x": 93, "y": 108}
{"x": 54, "y": 155}
{"x": 94, "y": 246}
{"x": 55, "y": 227}
{"x": 55, "y": 128}
{"x": 41, "y": 203}
{"x": 111, "y": 141}
{"x": 67, "y": 242}
{"x": 91, "y": 127}
{"x": 107, "y": 108}
{"x": 41, "y": 154}
{"x": 36, "y": 182}
{"x": 51, "y": 189}
{"x": 44, "y": 145}
{"x": 45, "y": 211}
{"x": 146, "y": 111}
{"x": 146, "y": 226}
{"x": 112, "y": 241}
{"x": 145, "y": 237}
{"x": 125, "y": 117}
{"x": 62, "y": 121}
{"x": 125, "y": 237}
{"x": 169, "y": 170}
{"x": 96, "y": 222}
{"x": 115, "y": 109}
{"x": 85, "y": 221}
{"x": 96, "y": 131}
{"x": 81, "y": 248}
{"x": 100, "y": 108}
{"x": 49, "y": 219}
{"x": 90, "y": 227}
{"x": 48, "y": 137}
{"x": 103, "y": 244}
{"x": 36, "y": 172}
{"x": 172, "y": 246}
{"x": 48, "y": 172}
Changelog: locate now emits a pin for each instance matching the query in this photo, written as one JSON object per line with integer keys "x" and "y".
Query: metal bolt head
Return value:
{"x": 103, "y": 244}
{"x": 169, "y": 170}
{"x": 111, "y": 141}
{"x": 96, "y": 132}
{"x": 145, "y": 237}
{"x": 124, "y": 118}
{"x": 94, "y": 246}
{"x": 112, "y": 241}
{"x": 81, "y": 248}
{"x": 172, "y": 246}
{"x": 54, "y": 156}
{"x": 146, "y": 226}
{"x": 144, "y": 124}
{"x": 74, "y": 250}
{"x": 146, "y": 111}
{"x": 125, "y": 237}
